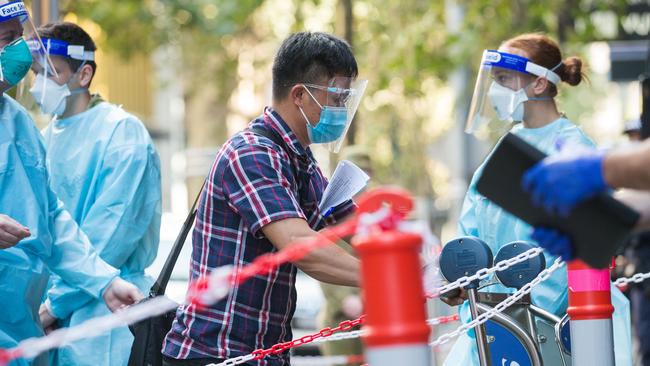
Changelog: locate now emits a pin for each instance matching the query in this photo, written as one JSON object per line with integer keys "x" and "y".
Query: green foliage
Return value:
{"x": 143, "y": 25}
{"x": 407, "y": 49}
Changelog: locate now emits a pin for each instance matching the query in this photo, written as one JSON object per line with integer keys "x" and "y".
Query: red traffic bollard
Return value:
{"x": 590, "y": 312}
{"x": 396, "y": 328}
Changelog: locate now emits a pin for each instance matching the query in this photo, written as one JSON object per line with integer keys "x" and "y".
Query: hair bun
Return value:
{"x": 571, "y": 71}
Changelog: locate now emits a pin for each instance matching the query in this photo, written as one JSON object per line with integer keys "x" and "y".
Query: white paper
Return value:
{"x": 347, "y": 180}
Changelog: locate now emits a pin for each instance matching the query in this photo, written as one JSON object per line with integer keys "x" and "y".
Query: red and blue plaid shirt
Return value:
{"x": 252, "y": 183}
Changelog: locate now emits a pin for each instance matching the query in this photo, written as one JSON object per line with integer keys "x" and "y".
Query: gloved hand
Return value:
{"x": 554, "y": 242}
{"x": 120, "y": 294}
{"x": 560, "y": 182}
{"x": 11, "y": 232}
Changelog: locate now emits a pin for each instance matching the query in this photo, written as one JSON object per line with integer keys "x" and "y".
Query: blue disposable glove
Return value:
{"x": 554, "y": 242}
{"x": 560, "y": 182}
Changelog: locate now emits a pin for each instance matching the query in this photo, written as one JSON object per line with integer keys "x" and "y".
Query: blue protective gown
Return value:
{"x": 104, "y": 167}
{"x": 56, "y": 241}
{"x": 483, "y": 219}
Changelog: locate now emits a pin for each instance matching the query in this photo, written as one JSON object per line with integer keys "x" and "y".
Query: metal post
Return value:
{"x": 644, "y": 80}
{"x": 54, "y": 10}
{"x": 481, "y": 335}
{"x": 590, "y": 310}
{"x": 396, "y": 329}
{"x": 44, "y": 11}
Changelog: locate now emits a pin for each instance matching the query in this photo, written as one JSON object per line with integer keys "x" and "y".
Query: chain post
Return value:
{"x": 396, "y": 332}
{"x": 590, "y": 313}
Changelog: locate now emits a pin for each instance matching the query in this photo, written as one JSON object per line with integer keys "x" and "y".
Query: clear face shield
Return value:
{"x": 341, "y": 101}
{"x": 500, "y": 92}
{"x": 46, "y": 88}
{"x": 16, "y": 27}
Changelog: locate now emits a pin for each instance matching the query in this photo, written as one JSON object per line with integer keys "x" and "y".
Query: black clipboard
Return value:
{"x": 597, "y": 226}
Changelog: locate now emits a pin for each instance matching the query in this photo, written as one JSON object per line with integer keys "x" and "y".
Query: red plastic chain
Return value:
{"x": 447, "y": 319}
{"x": 325, "y": 332}
{"x": 344, "y": 326}
{"x": 267, "y": 262}
{"x": 400, "y": 203}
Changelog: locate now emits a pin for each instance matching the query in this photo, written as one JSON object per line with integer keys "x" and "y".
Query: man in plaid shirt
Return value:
{"x": 262, "y": 194}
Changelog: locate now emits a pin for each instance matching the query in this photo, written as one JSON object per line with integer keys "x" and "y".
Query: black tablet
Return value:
{"x": 597, "y": 226}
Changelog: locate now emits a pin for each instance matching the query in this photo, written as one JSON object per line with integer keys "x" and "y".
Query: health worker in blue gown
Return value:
{"x": 55, "y": 242}
{"x": 516, "y": 86}
{"x": 104, "y": 167}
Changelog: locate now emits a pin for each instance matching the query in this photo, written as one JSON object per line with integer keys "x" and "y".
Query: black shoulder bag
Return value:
{"x": 150, "y": 333}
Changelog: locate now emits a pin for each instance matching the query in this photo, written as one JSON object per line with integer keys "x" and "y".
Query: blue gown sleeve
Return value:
{"x": 72, "y": 257}
{"x": 120, "y": 218}
{"x": 468, "y": 221}
{"x": 56, "y": 238}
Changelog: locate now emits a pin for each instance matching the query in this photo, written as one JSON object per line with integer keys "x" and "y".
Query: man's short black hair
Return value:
{"x": 73, "y": 35}
{"x": 308, "y": 57}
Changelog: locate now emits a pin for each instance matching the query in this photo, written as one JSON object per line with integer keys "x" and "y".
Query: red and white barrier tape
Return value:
{"x": 32, "y": 347}
{"x": 203, "y": 292}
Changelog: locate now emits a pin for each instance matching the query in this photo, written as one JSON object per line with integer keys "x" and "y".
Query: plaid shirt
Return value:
{"x": 252, "y": 183}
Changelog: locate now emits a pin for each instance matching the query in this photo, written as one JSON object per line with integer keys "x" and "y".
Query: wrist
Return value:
{"x": 108, "y": 285}
{"x": 47, "y": 308}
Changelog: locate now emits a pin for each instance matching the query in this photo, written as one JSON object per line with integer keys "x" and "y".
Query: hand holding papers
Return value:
{"x": 347, "y": 180}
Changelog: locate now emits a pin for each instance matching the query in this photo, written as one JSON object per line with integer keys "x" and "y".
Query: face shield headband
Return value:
{"x": 493, "y": 58}
{"x": 48, "y": 94}
{"x": 61, "y": 48}
{"x": 13, "y": 9}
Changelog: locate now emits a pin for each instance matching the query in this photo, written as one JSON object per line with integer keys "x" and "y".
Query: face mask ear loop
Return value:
{"x": 44, "y": 82}
{"x": 312, "y": 96}
{"x": 2, "y": 74}
{"x": 76, "y": 91}
{"x": 556, "y": 66}
{"x": 46, "y": 70}
{"x": 531, "y": 83}
{"x": 304, "y": 116}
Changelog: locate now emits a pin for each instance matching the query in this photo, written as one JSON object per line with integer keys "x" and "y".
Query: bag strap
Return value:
{"x": 160, "y": 285}
{"x": 273, "y": 136}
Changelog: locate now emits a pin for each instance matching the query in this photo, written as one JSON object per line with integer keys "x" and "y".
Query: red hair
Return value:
{"x": 544, "y": 51}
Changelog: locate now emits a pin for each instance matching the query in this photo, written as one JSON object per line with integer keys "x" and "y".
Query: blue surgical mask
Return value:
{"x": 331, "y": 125}
{"x": 15, "y": 61}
